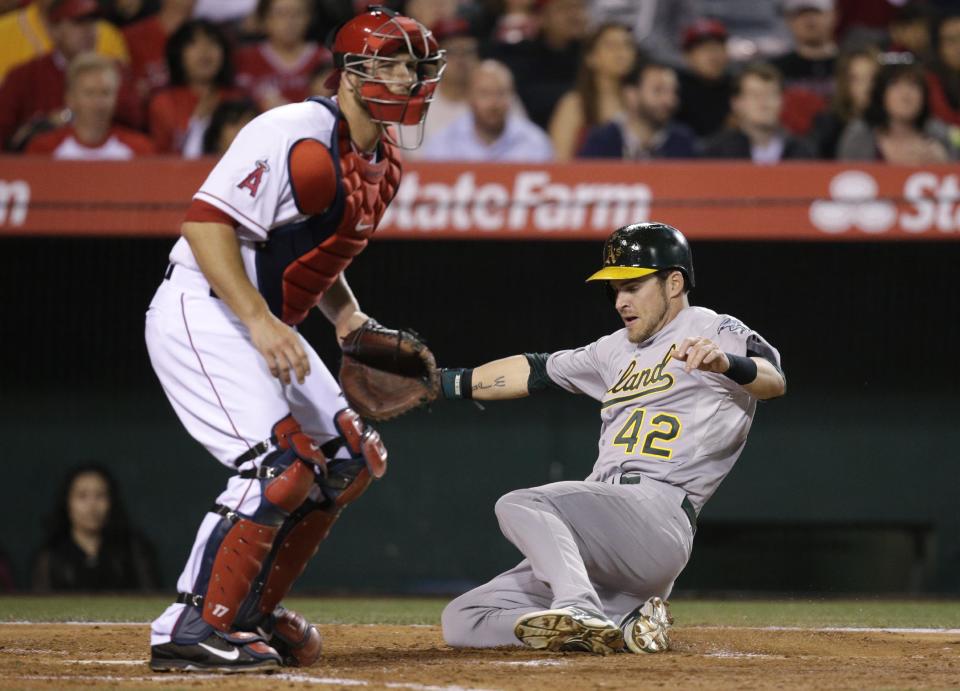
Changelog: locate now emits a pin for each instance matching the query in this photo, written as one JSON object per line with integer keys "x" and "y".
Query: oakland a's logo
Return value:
{"x": 614, "y": 250}
{"x": 634, "y": 383}
{"x": 252, "y": 181}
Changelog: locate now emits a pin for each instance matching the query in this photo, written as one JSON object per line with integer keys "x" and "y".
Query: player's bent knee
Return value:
{"x": 507, "y": 505}
{"x": 455, "y": 624}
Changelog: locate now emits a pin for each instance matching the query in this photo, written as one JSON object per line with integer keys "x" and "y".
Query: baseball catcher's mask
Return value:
{"x": 378, "y": 37}
{"x": 642, "y": 249}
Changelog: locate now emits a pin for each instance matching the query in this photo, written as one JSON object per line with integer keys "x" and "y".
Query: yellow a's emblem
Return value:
{"x": 614, "y": 250}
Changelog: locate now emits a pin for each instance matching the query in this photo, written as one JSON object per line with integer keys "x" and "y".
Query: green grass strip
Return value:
{"x": 804, "y": 613}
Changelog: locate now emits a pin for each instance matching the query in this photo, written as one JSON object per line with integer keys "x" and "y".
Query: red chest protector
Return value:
{"x": 299, "y": 262}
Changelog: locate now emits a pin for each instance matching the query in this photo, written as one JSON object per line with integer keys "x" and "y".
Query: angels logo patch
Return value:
{"x": 253, "y": 179}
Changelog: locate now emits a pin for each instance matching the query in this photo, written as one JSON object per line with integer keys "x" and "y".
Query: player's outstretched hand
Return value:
{"x": 280, "y": 346}
{"x": 701, "y": 353}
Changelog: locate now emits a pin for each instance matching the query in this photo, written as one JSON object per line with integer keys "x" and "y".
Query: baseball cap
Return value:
{"x": 703, "y": 30}
{"x": 793, "y": 6}
{"x": 72, "y": 9}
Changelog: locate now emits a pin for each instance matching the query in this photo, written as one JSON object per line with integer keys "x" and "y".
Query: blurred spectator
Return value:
{"x": 490, "y": 131}
{"x": 278, "y": 70}
{"x": 811, "y": 62}
{"x": 656, "y": 24}
{"x": 855, "y": 73}
{"x": 808, "y": 69}
{"x": 757, "y": 29}
{"x": 31, "y": 97}
{"x": 198, "y": 57}
{"x": 430, "y": 12}
{"x": 515, "y": 20}
{"x": 897, "y": 127}
{"x": 705, "y": 83}
{"x": 545, "y": 68}
{"x": 910, "y": 31}
{"x": 645, "y": 129}
{"x": 450, "y": 100}
{"x": 609, "y": 56}
{"x": 756, "y": 102}
{"x": 147, "y": 44}
{"x": 944, "y": 75}
{"x": 25, "y": 34}
{"x": 90, "y": 545}
{"x": 227, "y": 120}
{"x": 93, "y": 83}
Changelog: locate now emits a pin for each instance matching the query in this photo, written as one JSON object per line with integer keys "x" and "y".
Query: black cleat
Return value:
{"x": 219, "y": 652}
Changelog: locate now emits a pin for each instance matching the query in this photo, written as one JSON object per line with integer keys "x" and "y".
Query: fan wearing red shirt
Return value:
{"x": 943, "y": 79}
{"x": 93, "y": 83}
{"x": 201, "y": 76}
{"x": 278, "y": 70}
{"x": 147, "y": 43}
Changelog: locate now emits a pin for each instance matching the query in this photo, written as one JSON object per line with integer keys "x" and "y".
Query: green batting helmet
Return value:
{"x": 642, "y": 249}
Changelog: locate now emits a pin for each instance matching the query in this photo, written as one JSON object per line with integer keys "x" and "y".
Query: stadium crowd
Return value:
{"x": 526, "y": 80}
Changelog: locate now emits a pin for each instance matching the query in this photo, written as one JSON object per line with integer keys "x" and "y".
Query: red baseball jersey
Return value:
{"x": 263, "y": 75}
{"x": 120, "y": 144}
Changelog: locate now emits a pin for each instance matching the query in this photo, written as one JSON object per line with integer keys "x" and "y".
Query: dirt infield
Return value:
{"x": 46, "y": 656}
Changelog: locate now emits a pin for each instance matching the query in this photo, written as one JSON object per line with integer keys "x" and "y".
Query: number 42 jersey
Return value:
{"x": 683, "y": 428}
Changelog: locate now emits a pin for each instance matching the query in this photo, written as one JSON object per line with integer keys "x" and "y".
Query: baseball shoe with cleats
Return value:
{"x": 219, "y": 652}
{"x": 569, "y": 629}
{"x": 647, "y": 628}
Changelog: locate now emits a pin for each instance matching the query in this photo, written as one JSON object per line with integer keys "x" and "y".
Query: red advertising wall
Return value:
{"x": 721, "y": 200}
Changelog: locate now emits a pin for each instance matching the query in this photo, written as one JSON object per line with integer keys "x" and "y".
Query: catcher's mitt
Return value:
{"x": 386, "y": 372}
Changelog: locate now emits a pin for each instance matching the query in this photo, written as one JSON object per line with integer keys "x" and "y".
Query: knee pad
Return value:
{"x": 239, "y": 546}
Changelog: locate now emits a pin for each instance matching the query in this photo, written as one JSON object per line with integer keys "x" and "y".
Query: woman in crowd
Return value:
{"x": 90, "y": 545}
{"x": 609, "y": 55}
{"x": 944, "y": 75}
{"x": 897, "y": 127}
{"x": 278, "y": 70}
{"x": 851, "y": 96}
{"x": 201, "y": 76}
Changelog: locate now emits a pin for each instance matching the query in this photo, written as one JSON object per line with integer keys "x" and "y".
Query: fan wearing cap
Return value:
{"x": 705, "y": 80}
{"x": 810, "y": 64}
{"x": 677, "y": 388}
{"x": 295, "y": 198}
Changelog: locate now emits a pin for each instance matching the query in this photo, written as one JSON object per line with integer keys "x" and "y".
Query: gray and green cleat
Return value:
{"x": 646, "y": 629}
{"x": 569, "y": 629}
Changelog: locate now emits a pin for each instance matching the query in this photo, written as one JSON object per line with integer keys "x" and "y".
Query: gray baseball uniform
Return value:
{"x": 624, "y": 534}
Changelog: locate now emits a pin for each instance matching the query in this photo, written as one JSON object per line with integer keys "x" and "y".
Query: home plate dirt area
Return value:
{"x": 48, "y": 656}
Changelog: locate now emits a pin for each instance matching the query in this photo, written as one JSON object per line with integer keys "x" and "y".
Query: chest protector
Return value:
{"x": 300, "y": 260}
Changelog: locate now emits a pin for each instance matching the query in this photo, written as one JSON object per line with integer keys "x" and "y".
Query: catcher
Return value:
{"x": 677, "y": 389}
{"x": 266, "y": 239}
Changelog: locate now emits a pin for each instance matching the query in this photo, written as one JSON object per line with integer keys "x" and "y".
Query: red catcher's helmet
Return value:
{"x": 375, "y": 38}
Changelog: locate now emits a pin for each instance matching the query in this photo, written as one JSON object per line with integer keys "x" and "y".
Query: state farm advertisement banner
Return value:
{"x": 707, "y": 200}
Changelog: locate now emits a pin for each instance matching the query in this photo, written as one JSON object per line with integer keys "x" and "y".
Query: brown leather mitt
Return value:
{"x": 386, "y": 372}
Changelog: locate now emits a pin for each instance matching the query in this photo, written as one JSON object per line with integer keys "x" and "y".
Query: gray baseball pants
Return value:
{"x": 599, "y": 546}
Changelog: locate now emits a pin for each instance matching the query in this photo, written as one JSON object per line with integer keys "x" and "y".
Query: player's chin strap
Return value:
{"x": 267, "y": 556}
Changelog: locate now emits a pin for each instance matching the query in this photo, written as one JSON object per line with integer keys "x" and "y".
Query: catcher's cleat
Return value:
{"x": 569, "y": 629}
{"x": 646, "y": 629}
{"x": 219, "y": 652}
